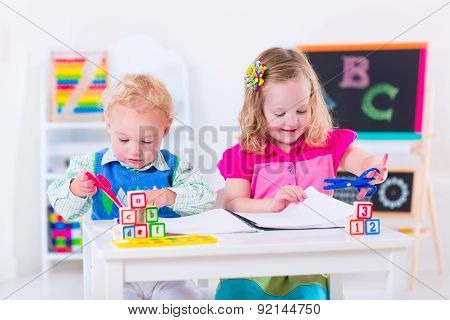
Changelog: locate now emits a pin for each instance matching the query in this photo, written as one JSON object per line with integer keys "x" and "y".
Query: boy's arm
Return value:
{"x": 193, "y": 194}
{"x": 61, "y": 197}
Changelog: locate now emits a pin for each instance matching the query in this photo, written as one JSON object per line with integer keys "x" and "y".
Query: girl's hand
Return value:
{"x": 160, "y": 198}
{"x": 286, "y": 195}
{"x": 379, "y": 177}
{"x": 82, "y": 186}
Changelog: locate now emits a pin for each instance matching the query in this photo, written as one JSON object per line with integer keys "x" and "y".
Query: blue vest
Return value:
{"x": 124, "y": 179}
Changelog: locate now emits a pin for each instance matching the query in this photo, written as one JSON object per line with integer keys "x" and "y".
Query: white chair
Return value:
{"x": 143, "y": 54}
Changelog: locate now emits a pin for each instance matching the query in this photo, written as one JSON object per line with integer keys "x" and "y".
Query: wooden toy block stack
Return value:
{"x": 363, "y": 223}
{"x": 138, "y": 221}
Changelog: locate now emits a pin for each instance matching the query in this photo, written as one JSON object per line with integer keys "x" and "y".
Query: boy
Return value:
{"x": 138, "y": 114}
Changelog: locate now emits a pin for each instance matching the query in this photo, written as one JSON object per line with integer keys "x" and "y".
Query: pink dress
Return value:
{"x": 303, "y": 166}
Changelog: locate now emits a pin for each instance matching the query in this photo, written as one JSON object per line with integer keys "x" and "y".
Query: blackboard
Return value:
{"x": 376, "y": 90}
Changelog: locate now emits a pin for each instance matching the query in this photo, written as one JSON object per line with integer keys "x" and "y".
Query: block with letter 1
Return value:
{"x": 356, "y": 226}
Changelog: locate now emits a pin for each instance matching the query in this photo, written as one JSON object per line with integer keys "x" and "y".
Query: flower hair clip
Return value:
{"x": 254, "y": 75}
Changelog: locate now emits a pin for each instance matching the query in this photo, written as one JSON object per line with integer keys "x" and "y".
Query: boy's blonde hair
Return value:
{"x": 141, "y": 92}
{"x": 282, "y": 65}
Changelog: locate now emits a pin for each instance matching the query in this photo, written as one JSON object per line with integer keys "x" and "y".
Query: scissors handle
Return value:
{"x": 103, "y": 184}
{"x": 364, "y": 174}
{"x": 372, "y": 188}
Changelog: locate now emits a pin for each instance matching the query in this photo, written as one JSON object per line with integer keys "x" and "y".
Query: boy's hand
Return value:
{"x": 160, "y": 198}
{"x": 82, "y": 186}
{"x": 286, "y": 195}
{"x": 379, "y": 177}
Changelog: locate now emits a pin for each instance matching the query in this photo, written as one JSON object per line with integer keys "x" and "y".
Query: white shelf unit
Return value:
{"x": 60, "y": 140}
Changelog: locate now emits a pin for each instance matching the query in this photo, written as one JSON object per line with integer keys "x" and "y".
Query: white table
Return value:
{"x": 332, "y": 251}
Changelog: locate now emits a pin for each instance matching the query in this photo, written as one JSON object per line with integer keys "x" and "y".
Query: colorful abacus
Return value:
{"x": 138, "y": 221}
{"x": 78, "y": 83}
{"x": 363, "y": 222}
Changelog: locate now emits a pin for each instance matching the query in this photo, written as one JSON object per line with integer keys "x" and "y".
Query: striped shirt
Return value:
{"x": 193, "y": 194}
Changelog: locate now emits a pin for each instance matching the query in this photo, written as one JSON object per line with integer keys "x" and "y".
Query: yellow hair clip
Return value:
{"x": 254, "y": 75}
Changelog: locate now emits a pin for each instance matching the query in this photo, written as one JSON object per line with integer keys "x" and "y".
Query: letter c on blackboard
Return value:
{"x": 367, "y": 102}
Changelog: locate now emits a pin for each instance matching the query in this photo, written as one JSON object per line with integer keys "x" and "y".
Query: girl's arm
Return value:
{"x": 238, "y": 197}
{"x": 356, "y": 161}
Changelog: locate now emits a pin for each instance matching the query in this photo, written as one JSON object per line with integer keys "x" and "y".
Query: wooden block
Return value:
{"x": 121, "y": 232}
{"x": 363, "y": 210}
{"x": 141, "y": 230}
{"x": 128, "y": 232}
{"x": 140, "y": 216}
{"x": 127, "y": 216}
{"x": 151, "y": 214}
{"x": 137, "y": 199}
{"x": 372, "y": 226}
{"x": 356, "y": 226}
{"x": 117, "y": 232}
{"x": 157, "y": 229}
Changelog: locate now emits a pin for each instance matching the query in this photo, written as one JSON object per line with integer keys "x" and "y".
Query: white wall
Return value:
{"x": 217, "y": 39}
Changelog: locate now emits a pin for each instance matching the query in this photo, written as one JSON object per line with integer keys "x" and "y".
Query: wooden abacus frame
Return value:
{"x": 54, "y": 115}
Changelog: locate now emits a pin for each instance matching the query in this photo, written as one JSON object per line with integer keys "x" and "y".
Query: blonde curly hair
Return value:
{"x": 282, "y": 65}
{"x": 142, "y": 92}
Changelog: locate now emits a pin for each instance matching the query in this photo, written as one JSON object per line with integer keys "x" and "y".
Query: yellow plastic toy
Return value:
{"x": 188, "y": 240}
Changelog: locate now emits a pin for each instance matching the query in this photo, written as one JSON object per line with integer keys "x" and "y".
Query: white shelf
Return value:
{"x": 76, "y": 125}
{"x": 96, "y": 125}
{"x": 69, "y": 256}
{"x": 70, "y": 149}
{"x": 62, "y": 139}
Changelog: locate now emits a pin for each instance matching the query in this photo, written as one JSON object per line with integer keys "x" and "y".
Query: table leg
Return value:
{"x": 114, "y": 280}
{"x": 87, "y": 268}
{"x": 98, "y": 277}
{"x": 397, "y": 280}
{"x": 336, "y": 286}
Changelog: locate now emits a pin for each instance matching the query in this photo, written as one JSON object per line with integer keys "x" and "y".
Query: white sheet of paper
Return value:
{"x": 318, "y": 210}
{"x": 210, "y": 222}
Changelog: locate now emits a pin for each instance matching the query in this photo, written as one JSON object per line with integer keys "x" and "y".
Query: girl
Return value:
{"x": 287, "y": 143}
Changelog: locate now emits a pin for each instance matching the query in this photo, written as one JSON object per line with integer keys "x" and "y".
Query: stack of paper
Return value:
{"x": 209, "y": 222}
{"x": 317, "y": 211}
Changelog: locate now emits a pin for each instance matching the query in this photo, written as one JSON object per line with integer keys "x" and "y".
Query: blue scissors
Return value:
{"x": 359, "y": 183}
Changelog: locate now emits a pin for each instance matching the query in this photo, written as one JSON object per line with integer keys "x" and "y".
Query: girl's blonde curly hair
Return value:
{"x": 282, "y": 65}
